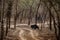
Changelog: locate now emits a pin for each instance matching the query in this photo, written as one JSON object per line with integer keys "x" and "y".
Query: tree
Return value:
{"x": 37, "y": 12}
{"x": 2, "y": 22}
{"x": 8, "y": 16}
{"x": 15, "y": 18}
{"x": 58, "y": 18}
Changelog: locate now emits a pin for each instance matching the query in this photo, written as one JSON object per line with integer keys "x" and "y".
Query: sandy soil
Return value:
{"x": 27, "y": 33}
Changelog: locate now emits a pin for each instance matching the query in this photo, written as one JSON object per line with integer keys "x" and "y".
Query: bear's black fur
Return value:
{"x": 34, "y": 27}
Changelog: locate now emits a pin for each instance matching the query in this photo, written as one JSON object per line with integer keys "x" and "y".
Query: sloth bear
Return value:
{"x": 34, "y": 27}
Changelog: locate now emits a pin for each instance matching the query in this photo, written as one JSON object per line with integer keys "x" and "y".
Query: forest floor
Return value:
{"x": 27, "y": 33}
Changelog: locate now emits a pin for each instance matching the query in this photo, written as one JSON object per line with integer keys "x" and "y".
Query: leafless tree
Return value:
{"x": 15, "y": 18}
{"x": 2, "y": 22}
{"x": 8, "y": 16}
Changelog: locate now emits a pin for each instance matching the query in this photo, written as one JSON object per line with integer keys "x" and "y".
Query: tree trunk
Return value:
{"x": 55, "y": 27}
{"x": 14, "y": 23}
{"x": 37, "y": 12}
{"x": 2, "y": 22}
{"x": 7, "y": 25}
{"x": 50, "y": 20}
{"x": 59, "y": 31}
{"x": 9, "y": 22}
{"x": 15, "y": 18}
{"x": 2, "y": 30}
